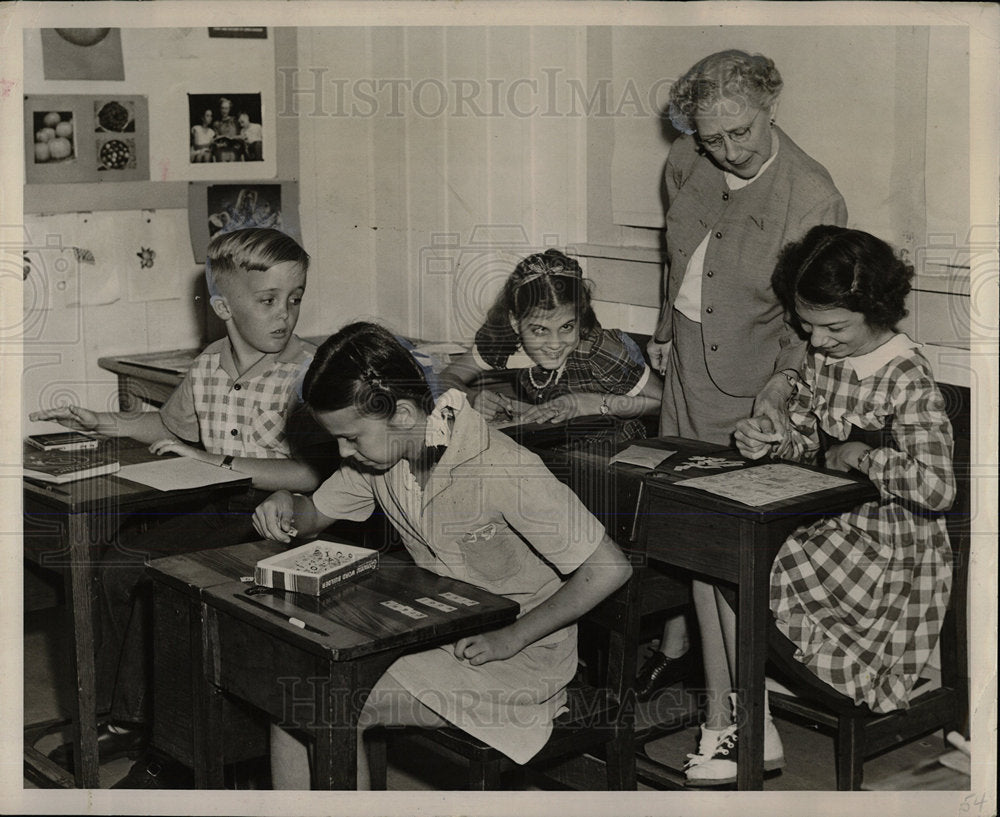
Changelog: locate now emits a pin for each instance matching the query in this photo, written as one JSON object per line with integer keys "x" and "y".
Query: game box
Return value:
{"x": 316, "y": 567}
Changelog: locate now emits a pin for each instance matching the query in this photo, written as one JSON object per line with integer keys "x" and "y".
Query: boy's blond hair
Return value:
{"x": 252, "y": 248}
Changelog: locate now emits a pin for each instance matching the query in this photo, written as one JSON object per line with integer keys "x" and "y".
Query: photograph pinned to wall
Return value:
{"x": 85, "y": 138}
{"x": 214, "y": 208}
{"x": 225, "y": 127}
{"x": 82, "y": 53}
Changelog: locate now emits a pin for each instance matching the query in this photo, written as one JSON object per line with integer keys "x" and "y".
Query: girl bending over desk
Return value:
{"x": 543, "y": 325}
{"x": 860, "y": 596}
{"x": 468, "y": 503}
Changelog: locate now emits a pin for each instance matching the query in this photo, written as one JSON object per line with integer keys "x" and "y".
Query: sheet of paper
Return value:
{"x": 765, "y": 484}
{"x": 643, "y": 455}
{"x": 177, "y": 473}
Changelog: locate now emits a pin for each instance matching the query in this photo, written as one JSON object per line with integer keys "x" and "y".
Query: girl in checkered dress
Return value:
{"x": 860, "y": 596}
{"x": 542, "y": 328}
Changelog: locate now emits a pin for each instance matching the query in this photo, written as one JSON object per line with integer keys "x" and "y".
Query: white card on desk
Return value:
{"x": 642, "y": 455}
{"x": 178, "y": 473}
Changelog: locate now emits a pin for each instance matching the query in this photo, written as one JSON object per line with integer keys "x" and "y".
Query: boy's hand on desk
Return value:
{"x": 485, "y": 647}
{"x": 75, "y": 417}
{"x": 274, "y": 518}
{"x": 169, "y": 446}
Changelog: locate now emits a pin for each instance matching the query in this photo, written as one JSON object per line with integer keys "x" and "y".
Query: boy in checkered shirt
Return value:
{"x": 230, "y": 410}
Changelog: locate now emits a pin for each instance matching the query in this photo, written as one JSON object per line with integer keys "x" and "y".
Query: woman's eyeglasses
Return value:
{"x": 717, "y": 142}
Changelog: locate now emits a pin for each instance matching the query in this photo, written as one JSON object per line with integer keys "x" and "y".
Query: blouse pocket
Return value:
{"x": 491, "y": 552}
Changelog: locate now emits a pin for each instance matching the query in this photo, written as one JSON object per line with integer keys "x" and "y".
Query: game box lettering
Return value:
{"x": 316, "y": 567}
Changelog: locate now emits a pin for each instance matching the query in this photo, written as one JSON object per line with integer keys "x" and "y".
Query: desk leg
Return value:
{"x": 751, "y": 629}
{"x": 79, "y": 600}
{"x": 207, "y": 745}
{"x": 335, "y": 760}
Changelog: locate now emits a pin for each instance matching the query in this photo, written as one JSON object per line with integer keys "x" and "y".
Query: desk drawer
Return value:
{"x": 176, "y": 657}
{"x": 690, "y": 538}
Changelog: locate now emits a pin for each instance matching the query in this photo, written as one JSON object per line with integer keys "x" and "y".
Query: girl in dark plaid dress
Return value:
{"x": 860, "y": 596}
{"x": 543, "y": 328}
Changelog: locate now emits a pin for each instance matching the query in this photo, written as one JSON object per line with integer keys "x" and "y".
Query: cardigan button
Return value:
{"x": 725, "y": 197}
{"x": 715, "y": 347}
{"x": 709, "y": 274}
{"x": 709, "y": 310}
{"x": 718, "y": 235}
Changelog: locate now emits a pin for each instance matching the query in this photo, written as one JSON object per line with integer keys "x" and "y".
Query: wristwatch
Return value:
{"x": 227, "y": 462}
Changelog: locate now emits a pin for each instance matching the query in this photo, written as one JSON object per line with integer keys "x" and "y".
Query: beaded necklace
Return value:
{"x": 556, "y": 372}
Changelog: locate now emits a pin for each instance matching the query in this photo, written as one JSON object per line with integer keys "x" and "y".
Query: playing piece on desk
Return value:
{"x": 708, "y": 463}
{"x": 458, "y": 599}
{"x": 406, "y": 610}
{"x": 437, "y": 605}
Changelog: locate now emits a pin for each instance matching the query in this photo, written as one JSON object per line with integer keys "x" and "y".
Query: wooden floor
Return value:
{"x": 808, "y": 752}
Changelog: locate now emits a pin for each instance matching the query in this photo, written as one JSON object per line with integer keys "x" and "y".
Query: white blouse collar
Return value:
{"x": 866, "y": 365}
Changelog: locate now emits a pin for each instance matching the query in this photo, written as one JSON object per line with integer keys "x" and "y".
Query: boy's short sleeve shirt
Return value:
{"x": 242, "y": 415}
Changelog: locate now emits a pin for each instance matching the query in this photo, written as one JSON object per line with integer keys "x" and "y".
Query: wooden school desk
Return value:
{"x": 722, "y": 540}
{"x": 66, "y": 528}
{"x": 318, "y": 675}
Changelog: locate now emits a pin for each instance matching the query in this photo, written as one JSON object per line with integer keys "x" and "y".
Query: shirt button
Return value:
{"x": 715, "y": 347}
{"x": 725, "y": 197}
{"x": 235, "y": 432}
{"x": 718, "y": 235}
{"x": 709, "y": 310}
{"x": 237, "y": 387}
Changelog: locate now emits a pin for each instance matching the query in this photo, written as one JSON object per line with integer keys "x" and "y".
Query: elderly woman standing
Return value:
{"x": 738, "y": 190}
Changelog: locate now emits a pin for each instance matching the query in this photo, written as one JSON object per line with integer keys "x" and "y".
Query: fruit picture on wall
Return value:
{"x": 86, "y": 138}
{"x": 54, "y": 140}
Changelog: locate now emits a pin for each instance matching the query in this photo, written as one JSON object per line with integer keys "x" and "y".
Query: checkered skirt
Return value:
{"x": 863, "y": 595}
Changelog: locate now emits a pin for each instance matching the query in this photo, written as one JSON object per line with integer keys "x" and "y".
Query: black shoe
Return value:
{"x": 110, "y": 746}
{"x": 659, "y": 672}
{"x": 157, "y": 772}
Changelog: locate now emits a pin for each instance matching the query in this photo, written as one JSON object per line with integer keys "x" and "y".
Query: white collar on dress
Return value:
{"x": 439, "y": 428}
{"x": 866, "y": 365}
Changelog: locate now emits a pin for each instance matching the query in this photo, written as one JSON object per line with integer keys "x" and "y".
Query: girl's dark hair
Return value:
{"x": 835, "y": 267}
{"x": 364, "y": 366}
{"x": 545, "y": 280}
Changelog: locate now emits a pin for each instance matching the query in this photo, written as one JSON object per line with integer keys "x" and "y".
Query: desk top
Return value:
{"x": 352, "y": 620}
{"x": 666, "y": 476}
{"x": 87, "y": 494}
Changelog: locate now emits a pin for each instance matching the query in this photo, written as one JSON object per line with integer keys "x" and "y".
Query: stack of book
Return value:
{"x": 66, "y": 457}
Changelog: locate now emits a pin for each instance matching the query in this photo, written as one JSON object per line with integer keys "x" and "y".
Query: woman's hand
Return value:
{"x": 492, "y": 646}
{"x": 274, "y": 518}
{"x": 658, "y": 355}
{"x": 75, "y": 417}
{"x": 755, "y": 437}
{"x": 845, "y": 456}
{"x": 772, "y": 402}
